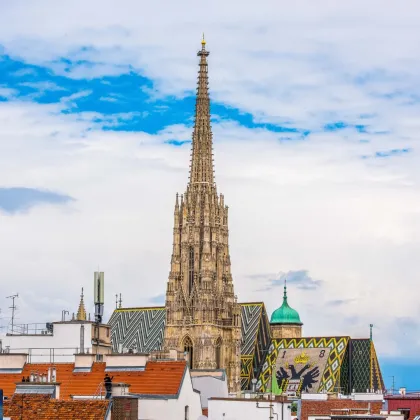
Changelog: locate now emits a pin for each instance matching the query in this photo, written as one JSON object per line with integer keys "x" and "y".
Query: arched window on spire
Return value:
{"x": 191, "y": 270}
{"x": 218, "y": 353}
{"x": 188, "y": 348}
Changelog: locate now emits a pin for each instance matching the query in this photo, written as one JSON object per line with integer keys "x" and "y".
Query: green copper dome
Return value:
{"x": 285, "y": 314}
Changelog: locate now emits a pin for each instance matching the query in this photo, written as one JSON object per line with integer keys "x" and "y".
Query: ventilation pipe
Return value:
{"x": 82, "y": 339}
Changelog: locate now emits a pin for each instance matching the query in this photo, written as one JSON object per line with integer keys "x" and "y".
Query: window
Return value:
{"x": 218, "y": 353}
{"x": 191, "y": 270}
{"x": 187, "y": 412}
{"x": 188, "y": 348}
{"x": 405, "y": 412}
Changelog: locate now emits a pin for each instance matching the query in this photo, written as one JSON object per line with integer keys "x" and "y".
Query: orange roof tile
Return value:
{"x": 159, "y": 378}
{"x": 42, "y": 407}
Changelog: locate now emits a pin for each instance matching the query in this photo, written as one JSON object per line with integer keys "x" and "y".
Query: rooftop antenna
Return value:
{"x": 116, "y": 301}
{"x": 371, "y": 331}
{"x": 13, "y": 308}
{"x": 98, "y": 294}
{"x": 393, "y": 384}
{"x": 120, "y": 301}
{"x": 63, "y": 314}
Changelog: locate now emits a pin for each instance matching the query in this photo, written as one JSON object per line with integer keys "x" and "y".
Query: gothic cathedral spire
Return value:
{"x": 202, "y": 143}
{"x": 202, "y": 313}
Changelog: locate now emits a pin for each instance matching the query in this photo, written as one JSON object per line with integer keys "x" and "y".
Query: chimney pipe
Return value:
{"x": 82, "y": 339}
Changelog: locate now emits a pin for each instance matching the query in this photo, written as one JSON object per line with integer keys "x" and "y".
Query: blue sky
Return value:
{"x": 315, "y": 122}
{"x": 128, "y": 94}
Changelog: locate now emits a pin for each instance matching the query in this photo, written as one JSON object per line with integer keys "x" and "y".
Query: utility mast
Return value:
{"x": 13, "y": 308}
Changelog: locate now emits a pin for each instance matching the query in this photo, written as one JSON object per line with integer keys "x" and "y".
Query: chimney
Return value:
{"x": 125, "y": 408}
{"x": 82, "y": 339}
{"x": 120, "y": 389}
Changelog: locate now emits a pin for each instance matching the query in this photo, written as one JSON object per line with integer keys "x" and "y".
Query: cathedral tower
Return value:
{"x": 202, "y": 313}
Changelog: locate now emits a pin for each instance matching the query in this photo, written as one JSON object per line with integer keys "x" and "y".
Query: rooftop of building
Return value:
{"x": 43, "y": 407}
{"x": 405, "y": 396}
{"x": 157, "y": 378}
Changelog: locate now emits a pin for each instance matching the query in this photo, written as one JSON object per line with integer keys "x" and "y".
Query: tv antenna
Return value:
{"x": 393, "y": 384}
{"x": 13, "y": 308}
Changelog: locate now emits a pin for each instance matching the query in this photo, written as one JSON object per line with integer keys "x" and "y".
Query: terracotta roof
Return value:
{"x": 159, "y": 378}
{"x": 42, "y": 407}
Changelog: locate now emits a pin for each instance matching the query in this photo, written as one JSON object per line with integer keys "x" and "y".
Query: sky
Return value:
{"x": 315, "y": 116}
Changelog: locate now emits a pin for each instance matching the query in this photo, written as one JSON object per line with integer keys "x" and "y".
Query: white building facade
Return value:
{"x": 60, "y": 342}
{"x": 186, "y": 405}
{"x": 247, "y": 409}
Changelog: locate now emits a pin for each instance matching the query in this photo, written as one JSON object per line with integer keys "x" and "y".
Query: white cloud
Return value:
{"x": 310, "y": 204}
{"x": 6, "y": 92}
{"x": 42, "y": 86}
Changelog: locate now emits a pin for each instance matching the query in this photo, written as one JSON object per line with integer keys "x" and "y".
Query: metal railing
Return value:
{"x": 30, "y": 329}
{"x": 50, "y": 354}
{"x": 100, "y": 392}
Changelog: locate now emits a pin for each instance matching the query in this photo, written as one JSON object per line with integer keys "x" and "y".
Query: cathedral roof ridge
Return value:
{"x": 140, "y": 308}
{"x": 315, "y": 337}
{"x": 251, "y": 303}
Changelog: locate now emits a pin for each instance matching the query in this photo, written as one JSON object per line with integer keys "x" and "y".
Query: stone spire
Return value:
{"x": 201, "y": 171}
{"x": 202, "y": 312}
{"x": 81, "y": 312}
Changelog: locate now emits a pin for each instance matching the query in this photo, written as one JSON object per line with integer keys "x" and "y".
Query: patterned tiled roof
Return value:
{"x": 138, "y": 328}
{"x": 159, "y": 378}
{"x": 142, "y": 329}
{"x": 43, "y": 407}
{"x": 256, "y": 339}
{"x": 322, "y": 364}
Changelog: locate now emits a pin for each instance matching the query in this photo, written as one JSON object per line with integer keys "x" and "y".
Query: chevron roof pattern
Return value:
{"x": 256, "y": 340}
{"x": 250, "y": 320}
{"x": 142, "y": 328}
{"x": 138, "y": 328}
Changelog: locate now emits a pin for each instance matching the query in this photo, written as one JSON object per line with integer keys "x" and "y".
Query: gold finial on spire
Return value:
{"x": 81, "y": 312}
{"x": 203, "y": 41}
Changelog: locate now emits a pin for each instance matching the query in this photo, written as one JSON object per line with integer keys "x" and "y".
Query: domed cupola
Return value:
{"x": 285, "y": 321}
